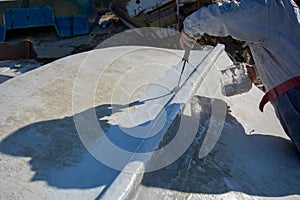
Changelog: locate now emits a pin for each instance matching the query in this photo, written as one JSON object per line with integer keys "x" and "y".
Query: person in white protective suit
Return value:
{"x": 271, "y": 28}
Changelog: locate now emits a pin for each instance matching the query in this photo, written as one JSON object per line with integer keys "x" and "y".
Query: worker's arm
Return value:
{"x": 246, "y": 20}
{"x": 187, "y": 42}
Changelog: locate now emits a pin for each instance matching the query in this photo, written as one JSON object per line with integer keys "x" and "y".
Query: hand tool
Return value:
{"x": 185, "y": 59}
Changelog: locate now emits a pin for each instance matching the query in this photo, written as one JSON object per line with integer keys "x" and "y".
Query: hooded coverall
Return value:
{"x": 271, "y": 28}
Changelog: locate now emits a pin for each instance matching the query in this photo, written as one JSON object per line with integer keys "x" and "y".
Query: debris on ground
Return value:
{"x": 106, "y": 19}
{"x": 12, "y": 68}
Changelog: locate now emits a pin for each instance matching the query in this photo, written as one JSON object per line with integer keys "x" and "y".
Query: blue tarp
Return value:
{"x": 70, "y": 18}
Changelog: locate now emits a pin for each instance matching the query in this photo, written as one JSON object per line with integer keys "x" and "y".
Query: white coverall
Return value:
{"x": 271, "y": 28}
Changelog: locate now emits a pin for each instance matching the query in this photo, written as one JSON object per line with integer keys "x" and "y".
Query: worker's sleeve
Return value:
{"x": 246, "y": 20}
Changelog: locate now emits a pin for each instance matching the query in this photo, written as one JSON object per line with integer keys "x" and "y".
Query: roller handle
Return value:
{"x": 186, "y": 54}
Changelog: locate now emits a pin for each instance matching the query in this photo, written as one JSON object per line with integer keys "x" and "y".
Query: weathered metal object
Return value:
{"x": 23, "y": 49}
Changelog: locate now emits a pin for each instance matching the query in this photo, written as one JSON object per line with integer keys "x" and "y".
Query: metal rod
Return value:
{"x": 185, "y": 59}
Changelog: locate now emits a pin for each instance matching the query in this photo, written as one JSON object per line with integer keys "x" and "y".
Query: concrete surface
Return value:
{"x": 55, "y": 120}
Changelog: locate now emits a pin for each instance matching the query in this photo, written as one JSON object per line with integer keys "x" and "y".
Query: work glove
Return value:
{"x": 186, "y": 41}
{"x": 251, "y": 72}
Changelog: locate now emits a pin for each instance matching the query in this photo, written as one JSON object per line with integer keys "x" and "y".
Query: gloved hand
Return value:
{"x": 186, "y": 41}
{"x": 251, "y": 73}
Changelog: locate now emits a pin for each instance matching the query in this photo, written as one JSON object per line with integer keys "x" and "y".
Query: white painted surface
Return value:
{"x": 42, "y": 156}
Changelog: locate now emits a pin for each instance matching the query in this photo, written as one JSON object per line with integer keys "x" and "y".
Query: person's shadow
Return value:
{"x": 57, "y": 154}
{"x": 256, "y": 164}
